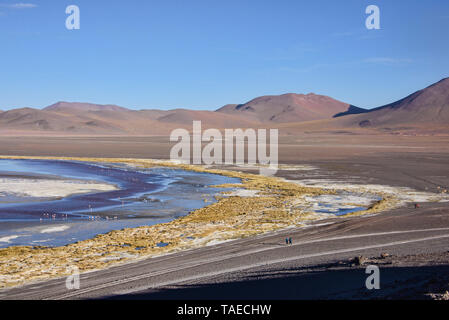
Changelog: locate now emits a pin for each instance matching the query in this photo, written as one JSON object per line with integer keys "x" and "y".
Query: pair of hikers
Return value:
{"x": 288, "y": 241}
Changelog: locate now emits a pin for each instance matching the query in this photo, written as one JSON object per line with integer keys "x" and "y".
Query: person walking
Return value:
{"x": 286, "y": 241}
{"x": 290, "y": 241}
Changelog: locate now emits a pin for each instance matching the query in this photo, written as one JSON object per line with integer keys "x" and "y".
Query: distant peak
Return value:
{"x": 84, "y": 106}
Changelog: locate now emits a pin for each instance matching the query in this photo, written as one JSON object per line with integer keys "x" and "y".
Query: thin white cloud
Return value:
{"x": 306, "y": 68}
{"x": 361, "y": 34}
{"x": 18, "y": 5}
{"x": 388, "y": 60}
{"x": 291, "y": 53}
{"x": 345, "y": 34}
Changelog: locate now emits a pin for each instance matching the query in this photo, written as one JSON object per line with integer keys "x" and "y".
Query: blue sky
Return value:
{"x": 204, "y": 54}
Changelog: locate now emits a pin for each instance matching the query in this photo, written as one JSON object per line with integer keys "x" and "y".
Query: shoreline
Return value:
{"x": 272, "y": 208}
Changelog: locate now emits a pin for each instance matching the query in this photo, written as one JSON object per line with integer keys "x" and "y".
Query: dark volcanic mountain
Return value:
{"x": 426, "y": 106}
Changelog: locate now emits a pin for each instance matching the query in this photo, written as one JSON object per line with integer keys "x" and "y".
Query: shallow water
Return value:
{"x": 342, "y": 203}
{"x": 144, "y": 197}
{"x": 341, "y": 211}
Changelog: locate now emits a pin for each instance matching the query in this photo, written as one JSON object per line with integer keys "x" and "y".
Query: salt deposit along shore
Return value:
{"x": 271, "y": 204}
{"x": 50, "y": 188}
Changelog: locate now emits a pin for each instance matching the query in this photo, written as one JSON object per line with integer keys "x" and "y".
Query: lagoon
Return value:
{"x": 106, "y": 197}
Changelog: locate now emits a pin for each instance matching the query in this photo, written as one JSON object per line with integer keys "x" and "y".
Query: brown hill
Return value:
{"x": 77, "y": 107}
{"x": 91, "y": 119}
{"x": 289, "y": 108}
{"x": 208, "y": 119}
{"x": 28, "y": 119}
{"x": 427, "y": 109}
{"x": 154, "y": 113}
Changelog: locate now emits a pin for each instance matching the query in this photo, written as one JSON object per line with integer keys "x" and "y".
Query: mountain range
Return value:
{"x": 425, "y": 109}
